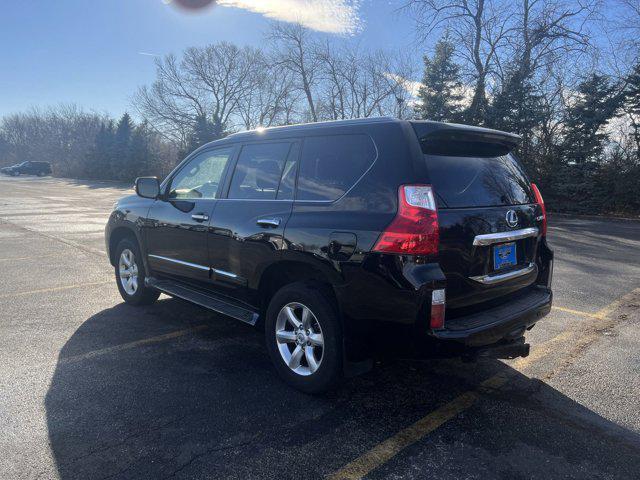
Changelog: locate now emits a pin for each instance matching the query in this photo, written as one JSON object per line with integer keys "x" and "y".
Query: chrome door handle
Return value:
{"x": 269, "y": 222}
{"x": 200, "y": 217}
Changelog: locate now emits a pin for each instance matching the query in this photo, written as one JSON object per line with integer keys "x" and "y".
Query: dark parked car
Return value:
{"x": 28, "y": 168}
{"x": 335, "y": 236}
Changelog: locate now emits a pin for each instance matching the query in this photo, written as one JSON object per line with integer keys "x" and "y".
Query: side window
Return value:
{"x": 201, "y": 176}
{"x": 258, "y": 171}
{"x": 331, "y": 165}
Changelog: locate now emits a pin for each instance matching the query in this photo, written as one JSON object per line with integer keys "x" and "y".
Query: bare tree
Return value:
{"x": 208, "y": 82}
{"x": 296, "y": 53}
{"x": 548, "y": 31}
{"x": 62, "y": 135}
{"x": 357, "y": 84}
{"x": 480, "y": 27}
{"x": 170, "y": 104}
{"x": 271, "y": 99}
{"x": 627, "y": 25}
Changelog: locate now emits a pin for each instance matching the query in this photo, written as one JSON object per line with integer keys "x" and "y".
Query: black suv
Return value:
{"x": 28, "y": 168}
{"x": 328, "y": 234}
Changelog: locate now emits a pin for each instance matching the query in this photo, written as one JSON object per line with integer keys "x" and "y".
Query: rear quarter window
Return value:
{"x": 468, "y": 181}
{"x": 330, "y": 165}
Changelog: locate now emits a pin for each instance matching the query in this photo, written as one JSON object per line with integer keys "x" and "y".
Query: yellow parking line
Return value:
{"x": 606, "y": 311}
{"x": 388, "y": 449}
{"x": 576, "y": 312}
{"x": 383, "y": 452}
{"x": 126, "y": 346}
{"x": 54, "y": 289}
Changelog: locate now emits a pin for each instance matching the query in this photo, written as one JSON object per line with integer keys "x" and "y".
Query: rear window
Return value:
{"x": 480, "y": 181}
{"x": 331, "y": 165}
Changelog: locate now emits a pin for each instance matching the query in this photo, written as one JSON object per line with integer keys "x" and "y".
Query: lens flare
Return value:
{"x": 191, "y": 5}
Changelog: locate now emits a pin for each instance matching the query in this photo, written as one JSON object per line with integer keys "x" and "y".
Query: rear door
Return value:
{"x": 247, "y": 225}
{"x": 489, "y": 221}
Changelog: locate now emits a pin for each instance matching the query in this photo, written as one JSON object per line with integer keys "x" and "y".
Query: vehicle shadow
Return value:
{"x": 207, "y": 404}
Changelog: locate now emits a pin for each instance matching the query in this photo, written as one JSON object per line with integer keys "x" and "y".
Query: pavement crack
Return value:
{"x": 124, "y": 440}
{"x": 209, "y": 451}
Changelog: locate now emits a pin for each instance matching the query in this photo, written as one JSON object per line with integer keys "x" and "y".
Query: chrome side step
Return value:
{"x": 209, "y": 300}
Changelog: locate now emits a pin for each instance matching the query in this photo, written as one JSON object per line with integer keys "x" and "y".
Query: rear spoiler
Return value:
{"x": 463, "y": 140}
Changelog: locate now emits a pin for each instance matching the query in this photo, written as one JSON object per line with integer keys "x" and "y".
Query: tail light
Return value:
{"x": 540, "y": 202}
{"x": 414, "y": 230}
{"x": 437, "y": 309}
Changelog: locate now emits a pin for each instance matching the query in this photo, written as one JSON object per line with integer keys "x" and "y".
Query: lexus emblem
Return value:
{"x": 512, "y": 218}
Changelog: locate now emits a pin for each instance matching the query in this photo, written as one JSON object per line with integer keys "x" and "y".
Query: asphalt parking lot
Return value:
{"x": 93, "y": 389}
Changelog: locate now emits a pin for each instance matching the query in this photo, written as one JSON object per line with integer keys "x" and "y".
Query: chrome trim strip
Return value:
{"x": 223, "y": 273}
{"x": 493, "y": 279}
{"x": 195, "y": 265}
{"x": 501, "y": 237}
{"x": 180, "y": 262}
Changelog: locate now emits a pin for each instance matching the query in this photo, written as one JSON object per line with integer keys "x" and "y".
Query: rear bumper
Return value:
{"x": 508, "y": 321}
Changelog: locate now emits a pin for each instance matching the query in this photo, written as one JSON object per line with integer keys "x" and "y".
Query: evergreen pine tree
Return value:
{"x": 439, "y": 94}
{"x": 632, "y": 105}
{"x": 596, "y": 104}
{"x": 140, "y": 161}
{"x": 205, "y": 131}
{"x": 121, "y": 163}
{"x": 583, "y": 144}
{"x": 99, "y": 159}
{"x": 518, "y": 108}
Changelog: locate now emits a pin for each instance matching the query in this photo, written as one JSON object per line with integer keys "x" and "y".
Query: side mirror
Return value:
{"x": 148, "y": 187}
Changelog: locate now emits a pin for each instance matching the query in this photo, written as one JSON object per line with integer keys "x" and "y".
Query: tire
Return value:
{"x": 139, "y": 294}
{"x": 324, "y": 320}
{"x": 41, "y": 174}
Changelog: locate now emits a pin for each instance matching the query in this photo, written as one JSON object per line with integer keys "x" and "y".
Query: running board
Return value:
{"x": 209, "y": 300}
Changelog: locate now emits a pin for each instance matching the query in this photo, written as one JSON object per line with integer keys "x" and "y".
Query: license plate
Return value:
{"x": 504, "y": 255}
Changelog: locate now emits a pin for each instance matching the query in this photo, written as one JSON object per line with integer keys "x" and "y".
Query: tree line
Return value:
{"x": 538, "y": 68}
{"x": 81, "y": 144}
{"x": 534, "y": 68}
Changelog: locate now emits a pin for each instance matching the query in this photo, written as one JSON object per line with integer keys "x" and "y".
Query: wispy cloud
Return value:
{"x": 147, "y": 54}
{"x": 411, "y": 86}
{"x": 331, "y": 16}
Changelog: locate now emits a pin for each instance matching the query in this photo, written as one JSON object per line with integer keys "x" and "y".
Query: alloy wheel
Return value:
{"x": 299, "y": 338}
{"x": 128, "y": 270}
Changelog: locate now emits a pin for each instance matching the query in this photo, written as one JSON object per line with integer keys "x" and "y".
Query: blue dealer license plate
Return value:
{"x": 504, "y": 255}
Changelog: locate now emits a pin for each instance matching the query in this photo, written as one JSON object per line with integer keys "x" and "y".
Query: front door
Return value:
{"x": 177, "y": 234}
{"x": 247, "y": 227}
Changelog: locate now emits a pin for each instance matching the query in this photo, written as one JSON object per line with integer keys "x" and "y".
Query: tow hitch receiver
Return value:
{"x": 507, "y": 350}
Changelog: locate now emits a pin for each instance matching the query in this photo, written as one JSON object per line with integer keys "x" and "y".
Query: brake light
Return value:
{"x": 437, "y": 309}
{"x": 540, "y": 202}
{"x": 414, "y": 230}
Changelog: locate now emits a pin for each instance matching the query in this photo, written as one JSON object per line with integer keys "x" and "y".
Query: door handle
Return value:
{"x": 200, "y": 217}
{"x": 269, "y": 222}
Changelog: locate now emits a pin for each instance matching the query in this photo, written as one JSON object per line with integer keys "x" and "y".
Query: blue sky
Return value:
{"x": 95, "y": 52}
